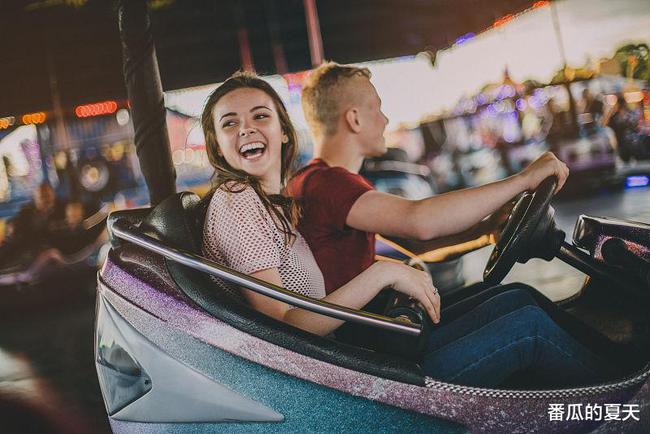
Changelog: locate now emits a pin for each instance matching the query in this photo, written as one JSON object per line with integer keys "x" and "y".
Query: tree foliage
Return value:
{"x": 634, "y": 58}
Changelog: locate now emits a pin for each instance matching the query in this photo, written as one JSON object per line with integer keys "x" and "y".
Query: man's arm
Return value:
{"x": 448, "y": 213}
{"x": 481, "y": 234}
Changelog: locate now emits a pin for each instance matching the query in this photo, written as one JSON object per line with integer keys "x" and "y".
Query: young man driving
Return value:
{"x": 341, "y": 210}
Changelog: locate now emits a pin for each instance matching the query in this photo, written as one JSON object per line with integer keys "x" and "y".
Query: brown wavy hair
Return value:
{"x": 284, "y": 209}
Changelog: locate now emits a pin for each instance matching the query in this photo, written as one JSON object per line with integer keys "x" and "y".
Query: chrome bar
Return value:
{"x": 126, "y": 231}
{"x": 96, "y": 218}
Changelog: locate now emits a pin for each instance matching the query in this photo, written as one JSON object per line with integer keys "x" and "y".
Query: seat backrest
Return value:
{"x": 175, "y": 222}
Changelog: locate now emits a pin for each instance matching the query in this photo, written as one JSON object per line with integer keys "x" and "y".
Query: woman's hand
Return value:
{"x": 416, "y": 284}
{"x": 544, "y": 166}
{"x": 354, "y": 294}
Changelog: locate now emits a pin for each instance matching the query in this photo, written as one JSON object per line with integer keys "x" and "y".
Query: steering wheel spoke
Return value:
{"x": 515, "y": 239}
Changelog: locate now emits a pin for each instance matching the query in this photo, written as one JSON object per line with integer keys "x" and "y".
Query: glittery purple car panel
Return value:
{"x": 279, "y": 389}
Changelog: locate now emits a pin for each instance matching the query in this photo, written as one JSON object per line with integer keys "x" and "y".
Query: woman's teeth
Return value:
{"x": 252, "y": 150}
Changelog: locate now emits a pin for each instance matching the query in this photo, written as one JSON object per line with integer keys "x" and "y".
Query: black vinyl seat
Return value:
{"x": 178, "y": 222}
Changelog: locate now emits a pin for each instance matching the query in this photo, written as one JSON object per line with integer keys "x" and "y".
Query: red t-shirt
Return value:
{"x": 326, "y": 195}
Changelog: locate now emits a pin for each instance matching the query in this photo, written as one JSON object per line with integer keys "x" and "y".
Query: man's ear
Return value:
{"x": 352, "y": 119}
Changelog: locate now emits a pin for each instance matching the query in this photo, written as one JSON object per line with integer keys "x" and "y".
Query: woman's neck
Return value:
{"x": 271, "y": 185}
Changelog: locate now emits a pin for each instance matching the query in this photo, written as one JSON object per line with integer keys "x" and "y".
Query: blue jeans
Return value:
{"x": 505, "y": 335}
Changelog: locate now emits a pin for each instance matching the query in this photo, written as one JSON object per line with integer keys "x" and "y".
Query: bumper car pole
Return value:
{"x": 144, "y": 89}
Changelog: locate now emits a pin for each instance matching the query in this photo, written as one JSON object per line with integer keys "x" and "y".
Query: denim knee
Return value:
{"x": 515, "y": 297}
{"x": 519, "y": 285}
{"x": 531, "y": 321}
{"x": 533, "y": 315}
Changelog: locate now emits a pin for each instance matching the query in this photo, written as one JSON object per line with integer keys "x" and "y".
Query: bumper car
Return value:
{"x": 174, "y": 354}
{"x": 590, "y": 157}
{"x": 478, "y": 167}
{"x": 32, "y": 276}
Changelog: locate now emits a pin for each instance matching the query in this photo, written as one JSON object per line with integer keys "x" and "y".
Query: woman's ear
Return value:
{"x": 352, "y": 120}
{"x": 285, "y": 138}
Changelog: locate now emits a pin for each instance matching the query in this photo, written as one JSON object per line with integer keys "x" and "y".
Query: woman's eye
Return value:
{"x": 228, "y": 124}
{"x": 261, "y": 116}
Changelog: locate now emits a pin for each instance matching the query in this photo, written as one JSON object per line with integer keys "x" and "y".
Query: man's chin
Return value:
{"x": 375, "y": 152}
{"x": 380, "y": 152}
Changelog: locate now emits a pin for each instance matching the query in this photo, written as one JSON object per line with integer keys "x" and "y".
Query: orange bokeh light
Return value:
{"x": 97, "y": 109}
{"x": 34, "y": 118}
{"x": 7, "y": 122}
{"x": 503, "y": 20}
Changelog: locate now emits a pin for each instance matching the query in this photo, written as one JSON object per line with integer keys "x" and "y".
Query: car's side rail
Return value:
{"x": 126, "y": 231}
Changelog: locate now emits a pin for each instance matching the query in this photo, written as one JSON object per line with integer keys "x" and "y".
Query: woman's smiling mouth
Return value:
{"x": 253, "y": 150}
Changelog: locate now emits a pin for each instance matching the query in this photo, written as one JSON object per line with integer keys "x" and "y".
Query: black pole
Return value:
{"x": 144, "y": 89}
{"x": 573, "y": 110}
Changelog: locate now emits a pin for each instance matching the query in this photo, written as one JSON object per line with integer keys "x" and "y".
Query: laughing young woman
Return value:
{"x": 250, "y": 227}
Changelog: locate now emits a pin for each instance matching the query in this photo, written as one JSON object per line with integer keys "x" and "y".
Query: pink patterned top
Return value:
{"x": 241, "y": 234}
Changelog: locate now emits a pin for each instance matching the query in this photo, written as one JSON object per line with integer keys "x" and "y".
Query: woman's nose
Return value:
{"x": 245, "y": 131}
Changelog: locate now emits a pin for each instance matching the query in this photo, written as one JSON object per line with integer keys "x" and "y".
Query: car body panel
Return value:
{"x": 291, "y": 380}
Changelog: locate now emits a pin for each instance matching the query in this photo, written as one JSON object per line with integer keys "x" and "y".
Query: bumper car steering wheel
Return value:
{"x": 518, "y": 237}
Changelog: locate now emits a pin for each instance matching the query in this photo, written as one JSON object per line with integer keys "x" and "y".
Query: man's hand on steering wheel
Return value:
{"x": 544, "y": 166}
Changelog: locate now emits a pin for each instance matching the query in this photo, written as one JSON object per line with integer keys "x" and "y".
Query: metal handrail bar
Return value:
{"x": 126, "y": 231}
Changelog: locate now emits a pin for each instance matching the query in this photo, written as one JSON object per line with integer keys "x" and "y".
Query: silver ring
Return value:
{"x": 435, "y": 290}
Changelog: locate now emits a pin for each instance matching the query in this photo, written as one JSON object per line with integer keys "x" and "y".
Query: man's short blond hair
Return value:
{"x": 324, "y": 94}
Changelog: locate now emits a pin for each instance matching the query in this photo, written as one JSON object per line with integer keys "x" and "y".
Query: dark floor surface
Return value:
{"x": 47, "y": 375}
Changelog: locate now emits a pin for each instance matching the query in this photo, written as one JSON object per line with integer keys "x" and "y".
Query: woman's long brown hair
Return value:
{"x": 235, "y": 180}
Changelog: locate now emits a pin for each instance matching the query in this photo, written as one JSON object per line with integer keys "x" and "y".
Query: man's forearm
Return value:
{"x": 458, "y": 211}
{"x": 421, "y": 247}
